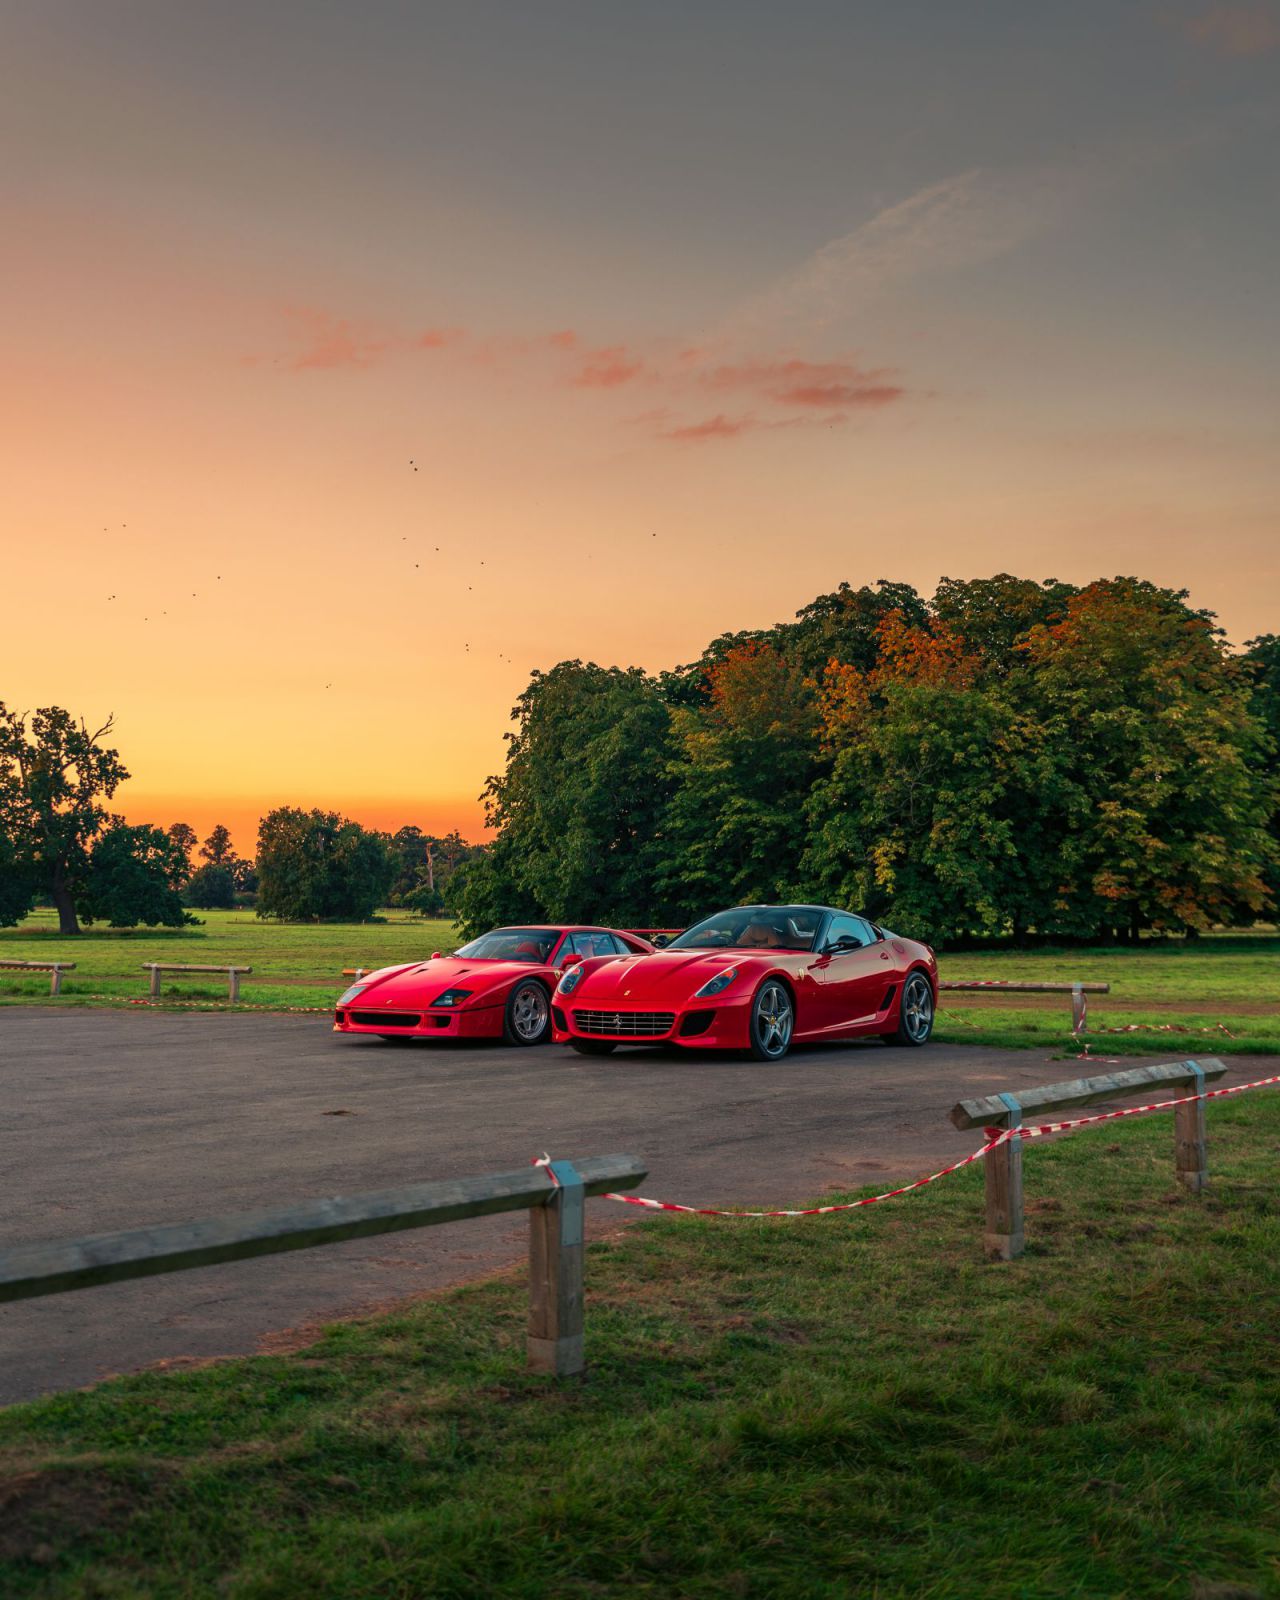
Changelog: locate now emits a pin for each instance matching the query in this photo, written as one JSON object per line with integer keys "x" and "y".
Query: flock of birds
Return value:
{"x": 404, "y": 539}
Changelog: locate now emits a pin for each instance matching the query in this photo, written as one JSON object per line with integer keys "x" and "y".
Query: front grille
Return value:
{"x": 696, "y": 1022}
{"x": 385, "y": 1019}
{"x": 625, "y": 1024}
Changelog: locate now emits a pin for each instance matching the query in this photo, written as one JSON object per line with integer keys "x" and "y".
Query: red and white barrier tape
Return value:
{"x": 995, "y": 1138}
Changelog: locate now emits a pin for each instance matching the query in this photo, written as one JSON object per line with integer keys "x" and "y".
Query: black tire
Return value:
{"x": 527, "y": 1018}
{"x": 593, "y": 1047}
{"x": 915, "y": 1014}
{"x": 773, "y": 1020}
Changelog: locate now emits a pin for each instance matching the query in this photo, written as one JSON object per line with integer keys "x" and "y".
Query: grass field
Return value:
{"x": 1184, "y": 990}
{"x": 855, "y": 1405}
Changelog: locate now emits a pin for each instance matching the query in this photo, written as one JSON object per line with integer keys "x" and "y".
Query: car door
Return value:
{"x": 854, "y": 972}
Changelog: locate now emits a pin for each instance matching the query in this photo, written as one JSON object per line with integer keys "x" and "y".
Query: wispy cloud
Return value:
{"x": 1230, "y": 30}
{"x": 960, "y": 221}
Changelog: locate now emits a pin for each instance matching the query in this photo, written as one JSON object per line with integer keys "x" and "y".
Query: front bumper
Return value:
{"x": 467, "y": 1022}
{"x": 711, "y": 1024}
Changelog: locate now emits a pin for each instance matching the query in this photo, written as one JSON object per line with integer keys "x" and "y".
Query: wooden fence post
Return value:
{"x": 55, "y": 981}
{"x": 1005, "y": 1239}
{"x": 233, "y": 985}
{"x": 155, "y": 982}
{"x": 1190, "y": 1138}
{"x": 555, "y": 1339}
{"x": 1079, "y": 1008}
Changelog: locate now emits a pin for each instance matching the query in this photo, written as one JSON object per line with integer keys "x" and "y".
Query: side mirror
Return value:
{"x": 435, "y": 955}
{"x": 570, "y": 961}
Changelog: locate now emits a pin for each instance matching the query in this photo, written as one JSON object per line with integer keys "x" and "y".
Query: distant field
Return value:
{"x": 109, "y": 961}
{"x": 1185, "y": 990}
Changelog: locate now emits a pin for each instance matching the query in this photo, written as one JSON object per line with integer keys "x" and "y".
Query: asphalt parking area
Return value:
{"x": 116, "y": 1119}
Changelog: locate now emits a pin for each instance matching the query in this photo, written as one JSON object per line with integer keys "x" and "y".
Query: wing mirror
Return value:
{"x": 570, "y": 961}
{"x": 435, "y": 955}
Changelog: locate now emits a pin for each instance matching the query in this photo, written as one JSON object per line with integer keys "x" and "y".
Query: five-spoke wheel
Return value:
{"x": 528, "y": 1016}
{"x": 773, "y": 1017}
{"x": 915, "y": 1015}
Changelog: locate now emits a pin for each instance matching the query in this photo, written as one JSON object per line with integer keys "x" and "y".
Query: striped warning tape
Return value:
{"x": 995, "y": 1138}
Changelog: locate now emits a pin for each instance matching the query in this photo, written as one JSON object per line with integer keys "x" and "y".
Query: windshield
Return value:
{"x": 754, "y": 927}
{"x": 513, "y": 944}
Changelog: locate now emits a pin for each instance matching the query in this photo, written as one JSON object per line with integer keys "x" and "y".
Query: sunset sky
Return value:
{"x": 361, "y": 358}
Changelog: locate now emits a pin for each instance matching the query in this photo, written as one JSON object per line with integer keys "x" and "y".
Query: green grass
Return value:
{"x": 836, "y": 1407}
{"x": 109, "y": 961}
{"x": 1178, "y": 1033}
{"x": 1202, "y": 973}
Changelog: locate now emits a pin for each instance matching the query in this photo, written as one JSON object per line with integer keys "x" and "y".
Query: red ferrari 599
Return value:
{"x": 755, "y": 978}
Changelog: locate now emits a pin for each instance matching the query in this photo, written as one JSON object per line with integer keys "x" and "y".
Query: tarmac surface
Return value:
{"x": 115, "y": 1119}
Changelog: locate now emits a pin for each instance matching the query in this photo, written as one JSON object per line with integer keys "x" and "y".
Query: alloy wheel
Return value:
{"x": 917, "y": 1009}
{"x": 775, "y": 1018}
{"x": 529, "y": 1011}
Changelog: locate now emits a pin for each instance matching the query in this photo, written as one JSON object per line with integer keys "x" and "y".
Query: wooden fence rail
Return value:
{"x": 1077, "y": 991}
{"x": 1004, "y": 1239}
{"x": 54, "y": 968}
{"x": 158, "y": 968}
{"x": 555, "y": 1331}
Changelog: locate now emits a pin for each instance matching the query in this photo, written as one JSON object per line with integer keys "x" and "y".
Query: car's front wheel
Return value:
{"x": 528, "y": 1014}
{"x": 773, "y": 1021}
{"x": 915, "y": 1014}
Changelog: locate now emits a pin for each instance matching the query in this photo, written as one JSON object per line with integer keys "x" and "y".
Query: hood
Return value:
{"x": 667, "y": 976}
{"x": 422, "y": 981}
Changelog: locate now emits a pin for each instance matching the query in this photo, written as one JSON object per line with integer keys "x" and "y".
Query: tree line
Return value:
{"x": 60, "y": 844}
{"x": 1009, "y": 758}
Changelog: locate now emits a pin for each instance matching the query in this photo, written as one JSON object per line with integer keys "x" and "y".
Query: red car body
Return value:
{"x": 820, "y": 973}
{"x": 405, "y": 1002}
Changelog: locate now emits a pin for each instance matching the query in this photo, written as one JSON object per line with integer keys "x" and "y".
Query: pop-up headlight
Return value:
{"x": 452, "y": 997}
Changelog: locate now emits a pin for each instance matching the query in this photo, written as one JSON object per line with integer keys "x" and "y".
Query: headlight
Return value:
{"x": 348, "y": 995}
{"x": 570, "y": 981}
{"x": 452, "y": 997}
{"x": 722, "y": 980}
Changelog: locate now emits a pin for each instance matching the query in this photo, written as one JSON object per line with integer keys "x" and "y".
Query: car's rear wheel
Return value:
{"x": 773, "y": 1021}
{"x": 915, "y": 1014}
{"x": 528, "y": 1014}
{"x": 593, "y": 1047}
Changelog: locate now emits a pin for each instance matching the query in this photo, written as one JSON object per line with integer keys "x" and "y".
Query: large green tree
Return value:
{"x": 54, "y": 778}
{"x": 1161, "y": 796}
{"x": 579, "y": 807}
{"x": 134, "y": 877}
{"x": 318, "y": 865}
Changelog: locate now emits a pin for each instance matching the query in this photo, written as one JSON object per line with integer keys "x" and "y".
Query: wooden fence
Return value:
{"x": 1004, "y": 1239}
{"x": 556, "y": 1241}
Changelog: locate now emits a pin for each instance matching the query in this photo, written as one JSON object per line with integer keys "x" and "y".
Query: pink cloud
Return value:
{"x": 329, "y": 341}
{"x": 607, "y": 368}
{"x": 1235, "y": 30}
{"x": 840, "y": 394}
{"x": 760, "y": 392}
{"x": 717, "y": 427}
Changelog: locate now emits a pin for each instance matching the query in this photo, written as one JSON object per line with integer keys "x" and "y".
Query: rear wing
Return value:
{"x": 655, "y": 936}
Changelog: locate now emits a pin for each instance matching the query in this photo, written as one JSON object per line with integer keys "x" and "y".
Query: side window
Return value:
{"x": 849, "y": 932}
